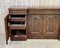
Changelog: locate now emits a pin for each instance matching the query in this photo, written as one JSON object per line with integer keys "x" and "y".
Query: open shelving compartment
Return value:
{"x": 17, "y": 26}
{"x": 18, "y": 35}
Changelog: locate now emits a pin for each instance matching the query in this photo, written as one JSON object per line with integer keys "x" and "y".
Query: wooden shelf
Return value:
{"x": 17, "y": 26}
{"x": 18, "y": 37}
{"x": 17, "y": 19}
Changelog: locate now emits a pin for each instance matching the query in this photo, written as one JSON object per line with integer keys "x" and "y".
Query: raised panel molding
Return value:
{"x": 35, "y": 25}
{"x": 51, "y": 25}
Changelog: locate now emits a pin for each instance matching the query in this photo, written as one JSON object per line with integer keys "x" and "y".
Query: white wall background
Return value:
{"x": 5, "y": 4}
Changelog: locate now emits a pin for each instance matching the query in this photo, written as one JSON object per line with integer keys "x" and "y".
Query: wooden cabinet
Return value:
{"x": 15, "y": 25}
{"x": 32, "y": 23}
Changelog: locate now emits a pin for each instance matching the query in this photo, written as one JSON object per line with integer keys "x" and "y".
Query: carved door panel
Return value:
{"x": 35, "y": 26}
{"x": 51, "y": 26}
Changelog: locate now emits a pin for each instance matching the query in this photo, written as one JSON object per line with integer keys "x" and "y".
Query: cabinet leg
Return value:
{"x": 6, "y": 28}
{"x": 6, "y": 42}
{"x": 59, "y": 38}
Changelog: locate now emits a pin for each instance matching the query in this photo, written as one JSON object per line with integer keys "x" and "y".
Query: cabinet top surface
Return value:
{"x": 25, "y": 8}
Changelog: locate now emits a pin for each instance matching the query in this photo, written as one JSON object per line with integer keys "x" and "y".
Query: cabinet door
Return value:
{"x": 51, "y": 26}
{"x": 35, "y": 26}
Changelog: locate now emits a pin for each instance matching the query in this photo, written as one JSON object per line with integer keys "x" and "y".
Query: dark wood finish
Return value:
{"x": 44, "y": 11}
{"x": 17, "y": 19}
{"x": 17, "y": 11}
{"x": 38, "y": 24}
{"x": 17, "y": 24}
{"x": 6, "y": 28}
{"x": 18, "y": 37}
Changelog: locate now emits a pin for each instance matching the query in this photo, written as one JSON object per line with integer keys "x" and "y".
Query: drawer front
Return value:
{"x": 43, "y": 11}
{"x": 18, "y": 12}
{"x": 16, "y": 38}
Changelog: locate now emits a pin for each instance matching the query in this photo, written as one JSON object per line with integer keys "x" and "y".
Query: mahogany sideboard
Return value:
{"x": 32, "y": 23}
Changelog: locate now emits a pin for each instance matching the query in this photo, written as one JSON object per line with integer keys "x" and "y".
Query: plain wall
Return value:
{"x": 5, "y": 4}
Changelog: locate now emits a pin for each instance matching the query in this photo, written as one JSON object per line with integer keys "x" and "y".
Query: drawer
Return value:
{"x": 18, "y": 12}
{"x": 18, "y": 38}
{"x": 44, "y": 11}
{"x": 18, "y": 35}
{"x": 17, "y": 19}
{"x": 17, "y": 25}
